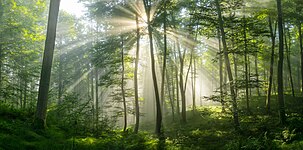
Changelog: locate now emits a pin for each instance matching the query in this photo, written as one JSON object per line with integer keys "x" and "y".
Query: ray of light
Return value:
{"x": 71, "y": 87}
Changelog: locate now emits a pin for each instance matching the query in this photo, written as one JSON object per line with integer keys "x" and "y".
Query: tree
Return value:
{"x": 40, "y": 119}
{"x": 227, "y": 64}
{"x": 137, "y": 107}
{"x": 147, "y": 6}
{"x": 164, "y": 59}
{"x": 122, "y": 84}
{"x": 280, "y": 65}
{"x": 271, "y": 70}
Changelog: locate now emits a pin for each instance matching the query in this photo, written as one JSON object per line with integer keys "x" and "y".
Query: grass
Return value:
{"x": 206, "y": 128}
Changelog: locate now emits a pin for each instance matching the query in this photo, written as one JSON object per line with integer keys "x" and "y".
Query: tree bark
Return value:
{"x": 171, "y": 98}
{"x": 137, "y": 107}
{"x": 280, "y": 65}
{"x": 246, "y": 65}
{"x": 271, "y": 69}
{"x": 221, "y": 71}
{"x": 301, "y": 50}
{"x": 257, "y": 73}
{"x": 227, "y": 63}
{"x": 25, "y": 94}
{"x": 147, "y": 6}
{"x": 97, "y": 95}
{"x": 194, "y": 84}
{"x": 40, "y": 119}
{"x": 177, "y": 84}
{"x": 122, "y": 85}
{"x": 60, "y": 90}
{"x": 181, "y": 82}
{"x": 1, "y": 15}
{"x": 287, "y": 47}
{"x": 92, "y": 91}
{"x": 164, "y": 60}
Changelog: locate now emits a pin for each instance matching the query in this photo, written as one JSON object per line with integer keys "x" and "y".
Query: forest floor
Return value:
{"x": 206, "y": 128}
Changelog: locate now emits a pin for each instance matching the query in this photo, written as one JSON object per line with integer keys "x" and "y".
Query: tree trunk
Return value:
{"x": 173, "y": 84}
{"x": 280, "y": 65}
{"x": 194, "y": 84}
{"x": 287, "y": 47}
{"x": 97, "y": 95}
{"x": 246, "y": 66}
{"x": 60, "y": 90}
{"x": 227, "y": 63}
{"x": 181, "y": 82}
{"x": 164, "y": 60}
{"x": 177, "y": 87}
{"x": 25, "y": 94}
{"x": 171, "y": 98}
{"x": 153, "y": 67}
{"x": 92, "y": 90}
{"x": 40, "y": 119}
{"x": 1, "y": 15}
{"x": 221, "y": 71}
{"x": 257, "y": 73}
{"x": 137, "y": 108}
{"x": 122, "y": 85}
{"x": 301, "y": 50}
{"x": 271, "y": 70}
{"x": 21, "y": 93}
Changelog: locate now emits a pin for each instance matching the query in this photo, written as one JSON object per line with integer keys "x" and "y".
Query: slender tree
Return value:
{"x": 272, "y": 57}
{"x": 97, "y": 94}
{"x": 287, "y": 48}
{"x": 137, "y": 108}
{"x": 228, "y": 68}
{"x": 164, "y": 58}
{"x": 40, "y": 119}
{"x": 122, "y": 85}
{"x": 246, "y": 64}
{"x": 280, "y": 65}
{"x": 220, "y": 70}
{"x": 1, "y": 15}
{"x": 147, "y": 5}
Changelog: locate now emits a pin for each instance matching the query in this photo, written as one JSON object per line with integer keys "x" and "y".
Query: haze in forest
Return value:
{"x": 151, "y": 74}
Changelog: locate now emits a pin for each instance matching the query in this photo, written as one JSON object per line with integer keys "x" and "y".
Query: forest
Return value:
{"x": 151, "y": 74}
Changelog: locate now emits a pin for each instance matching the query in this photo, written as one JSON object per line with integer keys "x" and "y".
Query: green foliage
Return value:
{"x": 72, "y": 115}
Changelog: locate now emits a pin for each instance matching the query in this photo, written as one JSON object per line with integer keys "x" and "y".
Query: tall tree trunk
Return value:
{"x": 227, "y": 63}
{"x": 181, "y": 82}
{"x": 122, "y": 85}
{"x": 301, "y": 50}
{"x": 187, "y": 74}
{"x": 221, "y": 71}
{"x": 257, "y": 73}
{"x": 25, "y": 93}
{"x": 92, "y": 91}
{"x": 173, "y": 84}
{"x": 246, "y": 65}
{"x": 60, "y": 90}
{"x": 171, "y": 98}
{"x": 271, "y": 70}
{"x": 40, "y": 119}
{"x": 177, "y": 87}
{"x": 280, "y": 65}
{"x": 164, "y": 60}
{"x": 21, "y": 93}
{"x": 1, "y": 15}
{"x": 287, "y": 47}
{"x": 97, "y": 95}
{"x": 137, "y": 107}
{"x": 147, "y": 6}
{"x": 193, "y": 80}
